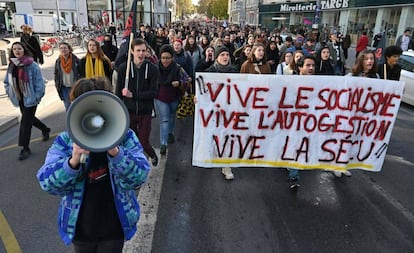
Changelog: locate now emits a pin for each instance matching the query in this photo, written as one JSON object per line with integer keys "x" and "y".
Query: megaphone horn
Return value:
{"x": 97, "y": 121}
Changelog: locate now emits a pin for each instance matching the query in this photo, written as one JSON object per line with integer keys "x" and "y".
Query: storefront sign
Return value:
{"x": 325, "y": 5}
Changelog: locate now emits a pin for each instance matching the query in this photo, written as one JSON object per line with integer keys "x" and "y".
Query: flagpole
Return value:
{"x": 131, "y": 38}
{"x": 128, "y": 69}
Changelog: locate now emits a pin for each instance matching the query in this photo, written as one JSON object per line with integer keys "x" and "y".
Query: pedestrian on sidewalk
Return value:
{"x": 25, "y": 88}
{"x": 99, "y": 209}
{"x": 66, "y": 72}
{"x": 32, "y": 43}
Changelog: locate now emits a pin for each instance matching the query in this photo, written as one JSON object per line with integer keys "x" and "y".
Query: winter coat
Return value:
{"x": 143, "y": 83}
{"x": 36, "y": 87}
{"x": 128, "y": 170}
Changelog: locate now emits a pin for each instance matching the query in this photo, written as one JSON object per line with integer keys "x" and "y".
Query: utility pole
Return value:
{"x": 317, "y": 12}
{"x": 58, "y": 14}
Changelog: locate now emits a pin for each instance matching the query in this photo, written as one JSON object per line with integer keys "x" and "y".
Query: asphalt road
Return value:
{"x": 188, "y": 209}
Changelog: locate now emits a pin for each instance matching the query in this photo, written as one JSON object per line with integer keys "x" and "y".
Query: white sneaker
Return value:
{"x": 347, "y": 173}
{"x": 337, "y": 173}
{"x": 227, "y": 173}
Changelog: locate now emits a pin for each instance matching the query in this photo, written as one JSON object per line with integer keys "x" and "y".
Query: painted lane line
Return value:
{"x": 149, "y": 197}
{"x": 7, "y": 236}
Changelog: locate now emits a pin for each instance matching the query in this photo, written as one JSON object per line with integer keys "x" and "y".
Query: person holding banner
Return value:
{"x": 306, "y": 66}
{"x": 173, "y": 81}
{"x": 365, "y": 65}
{"x": 222, "y": 64}
{"x": 391, "y": 70}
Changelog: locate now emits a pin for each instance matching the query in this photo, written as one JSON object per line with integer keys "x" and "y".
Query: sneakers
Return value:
{"x": 347, "y": 173}
{"x": 337, "y": 174}
{"x": 154, "y": 160}
{"x": 24, "y": 154}
{"x": 294, "y": 183}
{"x": 45, "y": 134}
{"x": 163, "y": 149}
{"x": 340, "y": 173}
{"x": 228, "y": 175}
{"x": 171, "y": 138}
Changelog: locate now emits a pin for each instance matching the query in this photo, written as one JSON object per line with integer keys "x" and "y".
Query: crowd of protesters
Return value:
{"x": 212, "y": 48}
{"x": 163, "y": 66}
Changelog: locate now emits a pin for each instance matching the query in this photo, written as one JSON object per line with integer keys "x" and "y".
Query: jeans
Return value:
{"x": 293, "y": 174}
{"x": 65, "y": 93}
{"x": 168, "y": 114}
{"x": 112, "y": 246}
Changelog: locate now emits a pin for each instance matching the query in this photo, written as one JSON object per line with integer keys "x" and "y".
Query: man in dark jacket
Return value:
{"x": 391, "y": 70}
{"x": 139, "y": 95}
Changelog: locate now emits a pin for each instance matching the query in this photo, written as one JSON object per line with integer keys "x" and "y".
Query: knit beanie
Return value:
{"x": 167, "y": 48}
{"x": 179, "y": 41}
{"x": 219, "y": 50}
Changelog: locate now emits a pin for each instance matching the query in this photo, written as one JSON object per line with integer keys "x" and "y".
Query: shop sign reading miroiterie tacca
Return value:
{"x": 325, "y": 5}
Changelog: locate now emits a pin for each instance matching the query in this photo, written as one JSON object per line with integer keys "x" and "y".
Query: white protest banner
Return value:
{"x": 303, "y": 122}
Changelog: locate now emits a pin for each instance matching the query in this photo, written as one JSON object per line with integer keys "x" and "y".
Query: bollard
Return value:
{"x": 3, "y": 58}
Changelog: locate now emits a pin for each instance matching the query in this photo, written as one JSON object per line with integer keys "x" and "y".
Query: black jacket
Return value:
{"x": 143, "y": 83}
{"x": 392, "y": 73}
{"x": 33, "y": 46}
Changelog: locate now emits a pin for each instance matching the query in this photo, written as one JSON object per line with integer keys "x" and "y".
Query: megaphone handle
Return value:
{"x": 83, "y": 158}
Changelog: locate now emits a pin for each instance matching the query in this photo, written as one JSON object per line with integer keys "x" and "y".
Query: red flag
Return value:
{"x": 131, "y": 23}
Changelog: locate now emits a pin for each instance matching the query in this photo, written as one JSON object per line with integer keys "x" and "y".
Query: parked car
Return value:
{"x": 285, "y": 34}
{"x": 407, "y": 75}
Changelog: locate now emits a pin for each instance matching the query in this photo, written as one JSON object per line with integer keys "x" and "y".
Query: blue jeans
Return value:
{"x": 168, "y": 114}
{"x": 293, "y": 174}
{"x": 65, "y": 93}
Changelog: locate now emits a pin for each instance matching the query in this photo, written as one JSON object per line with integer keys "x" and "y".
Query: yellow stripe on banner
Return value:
{"x": 7, "y": 236}
{"x": 293, "y": 164}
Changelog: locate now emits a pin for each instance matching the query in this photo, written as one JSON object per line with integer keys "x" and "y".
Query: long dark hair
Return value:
{"x": 25, "y": 50}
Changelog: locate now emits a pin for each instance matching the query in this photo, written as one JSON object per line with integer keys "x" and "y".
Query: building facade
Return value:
{"x": 96, "y": 12}
{"x": 346, "y": 16}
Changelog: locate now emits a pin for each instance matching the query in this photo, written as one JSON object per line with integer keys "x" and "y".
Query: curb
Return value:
{"x": 7, "y": 122}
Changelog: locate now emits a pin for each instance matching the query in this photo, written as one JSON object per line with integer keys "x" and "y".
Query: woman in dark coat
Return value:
{"x": 324, "y": 64}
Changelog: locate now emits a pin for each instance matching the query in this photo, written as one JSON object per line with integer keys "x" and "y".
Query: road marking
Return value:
{"x": 31, "y": 141}
{"x": 148, "y": 197}
{"x": 7, "y": 236}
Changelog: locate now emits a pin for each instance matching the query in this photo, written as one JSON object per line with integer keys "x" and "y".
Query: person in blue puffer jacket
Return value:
{"x": 99, "y": 208}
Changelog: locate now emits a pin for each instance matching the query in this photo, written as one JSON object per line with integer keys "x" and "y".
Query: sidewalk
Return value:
{"x": 10, "y": 115}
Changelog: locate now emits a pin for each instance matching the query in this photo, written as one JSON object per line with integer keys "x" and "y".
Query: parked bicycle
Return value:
{"x": 48, "y": 47}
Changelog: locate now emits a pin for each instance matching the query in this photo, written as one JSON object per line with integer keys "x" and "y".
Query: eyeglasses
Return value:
{"x": 166, "y": 58}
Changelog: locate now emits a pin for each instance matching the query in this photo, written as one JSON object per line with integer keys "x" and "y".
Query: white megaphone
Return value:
{"x": 97, "y": 121}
